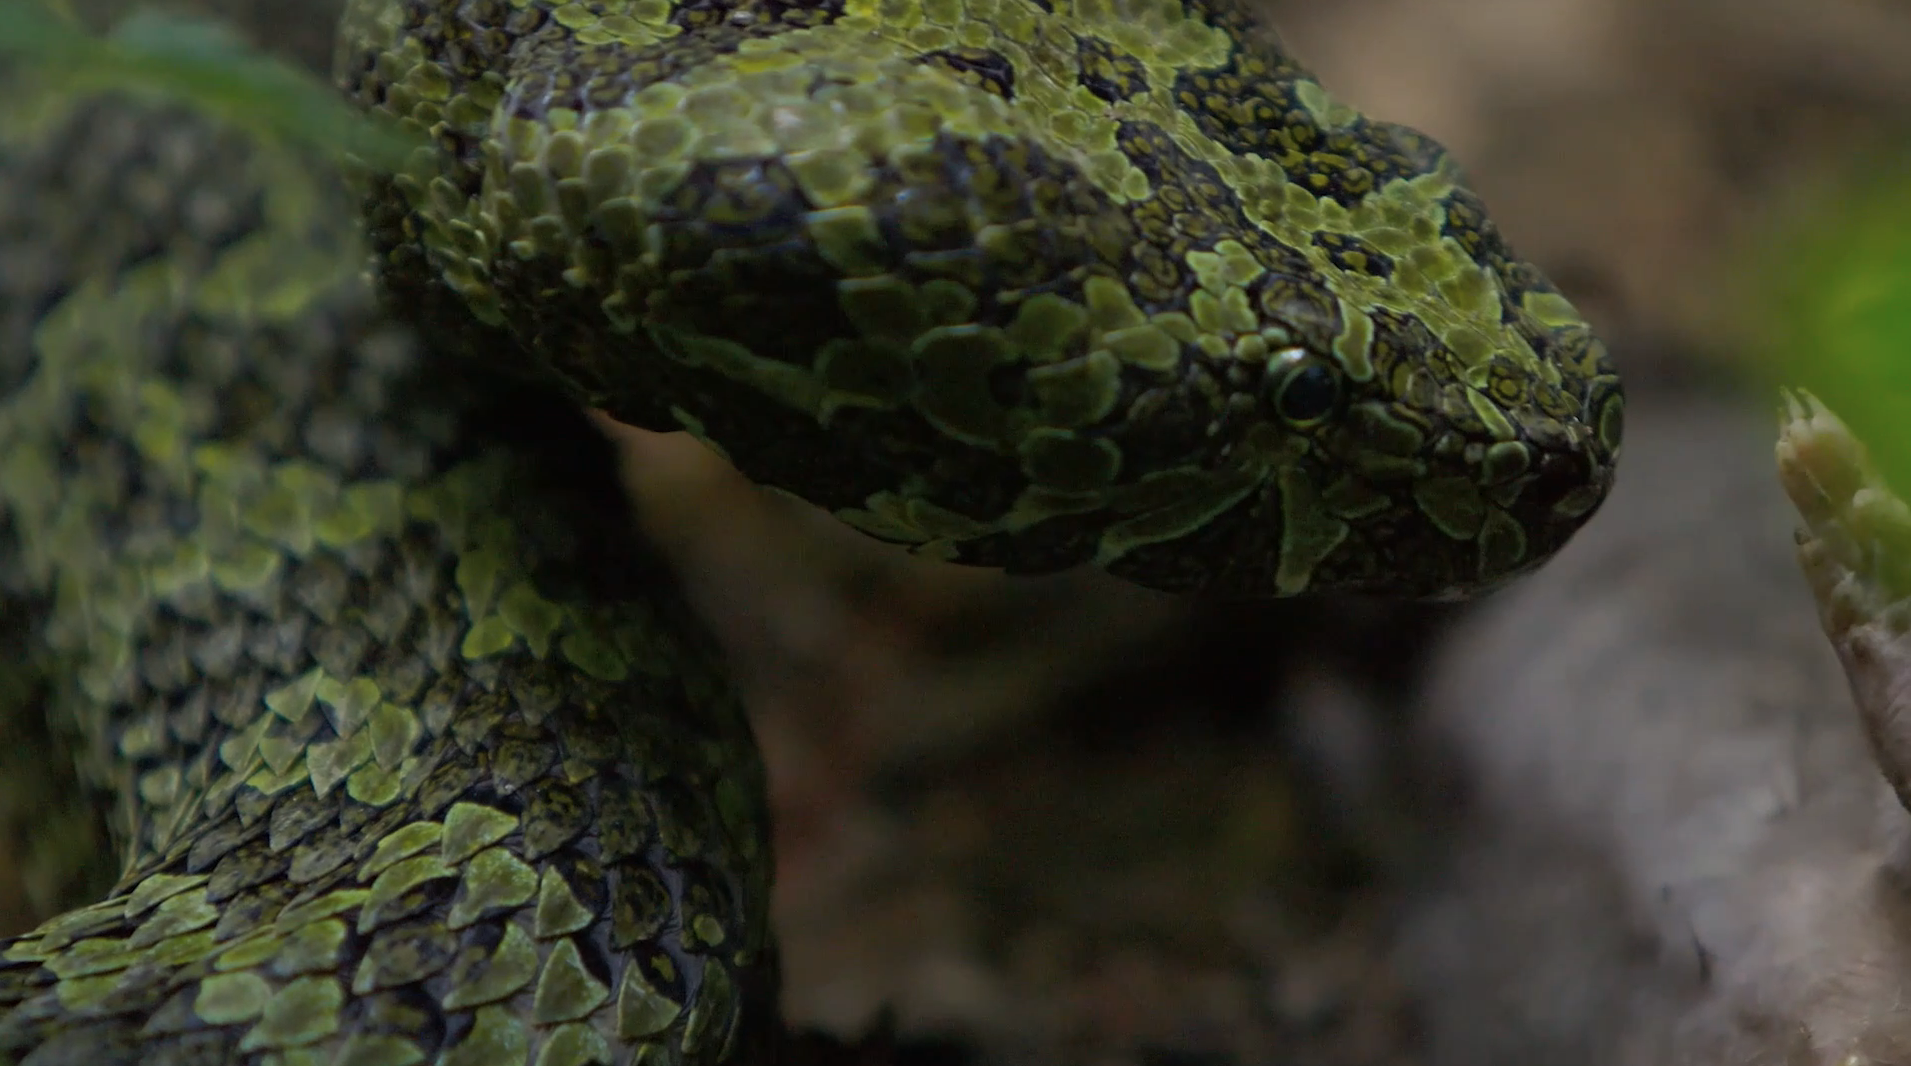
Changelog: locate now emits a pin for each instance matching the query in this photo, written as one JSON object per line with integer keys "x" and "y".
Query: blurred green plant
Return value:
{"x": 1832, "y": 307}
{"x": 201, "y": 62}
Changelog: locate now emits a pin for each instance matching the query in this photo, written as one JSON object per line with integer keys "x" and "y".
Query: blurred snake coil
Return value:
{"x": 409, "y": 747}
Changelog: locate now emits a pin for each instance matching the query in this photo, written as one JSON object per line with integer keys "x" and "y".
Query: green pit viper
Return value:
{"x": 410, "y": 749}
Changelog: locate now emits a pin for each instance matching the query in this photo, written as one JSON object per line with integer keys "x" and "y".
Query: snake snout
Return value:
{"x": 1549, "y": 478}
{"x": 1470, "y": 487}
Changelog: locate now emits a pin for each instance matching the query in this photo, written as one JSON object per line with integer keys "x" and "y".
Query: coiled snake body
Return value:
{"x": 413, "y": 753}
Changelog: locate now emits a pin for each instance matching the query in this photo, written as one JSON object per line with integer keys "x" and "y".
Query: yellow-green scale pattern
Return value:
{"x": 1022, "y": 283}
{"x": 413, "y": 754}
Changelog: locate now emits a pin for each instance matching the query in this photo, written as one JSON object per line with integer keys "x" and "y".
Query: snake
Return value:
{"x": 410, "y": 747}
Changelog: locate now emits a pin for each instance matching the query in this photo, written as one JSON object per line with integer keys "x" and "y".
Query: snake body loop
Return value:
{"x": 412, "y": 753}
{"x": 411, "y": 749}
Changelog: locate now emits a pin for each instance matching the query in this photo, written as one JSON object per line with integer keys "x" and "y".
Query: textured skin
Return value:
{"x": 1024, "y": 283}
{"x": 410, "y": 752}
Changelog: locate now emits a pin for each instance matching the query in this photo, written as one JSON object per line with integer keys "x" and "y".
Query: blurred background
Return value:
{"x": 1069, "y": 821}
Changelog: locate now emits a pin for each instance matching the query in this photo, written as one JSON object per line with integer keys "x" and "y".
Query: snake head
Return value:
{"x": 1392, "y": 463}
{"x": 1017, "y": 283}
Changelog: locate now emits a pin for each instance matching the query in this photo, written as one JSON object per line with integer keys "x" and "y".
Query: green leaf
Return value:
{"x": 200, "y": 62}
{"x": 1832, "y": 307}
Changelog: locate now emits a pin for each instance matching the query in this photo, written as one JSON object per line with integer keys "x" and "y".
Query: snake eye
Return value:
{"x": 1304, "y": 389}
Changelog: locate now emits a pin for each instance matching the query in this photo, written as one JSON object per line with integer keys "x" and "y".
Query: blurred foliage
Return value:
{"x": 201, "y": 62}
{"x": 1831, "y": 298}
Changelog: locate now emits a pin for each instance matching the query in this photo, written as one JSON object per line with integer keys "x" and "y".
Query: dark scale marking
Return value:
{"x": 1466, "y": 221}
{"x": 1402, "y": 345}
{"x": 1252, "y": 106}
{"x": 1110, "y": 74}
{"x": 1192, "y": 209}
{"x": 983, "y": 68}
{"x": 774, "y": 14}
{"x": 1353, "y": 254}
{"x": 1183, "y": 409}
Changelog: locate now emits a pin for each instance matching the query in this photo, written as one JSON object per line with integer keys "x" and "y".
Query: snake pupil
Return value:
{"x": 1307, "y": 392}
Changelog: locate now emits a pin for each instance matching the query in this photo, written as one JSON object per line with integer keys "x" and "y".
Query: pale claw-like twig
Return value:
{"x": 1855, "y": 549}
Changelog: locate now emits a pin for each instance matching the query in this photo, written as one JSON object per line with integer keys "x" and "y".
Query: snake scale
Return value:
{"x": 411, "y": 750}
